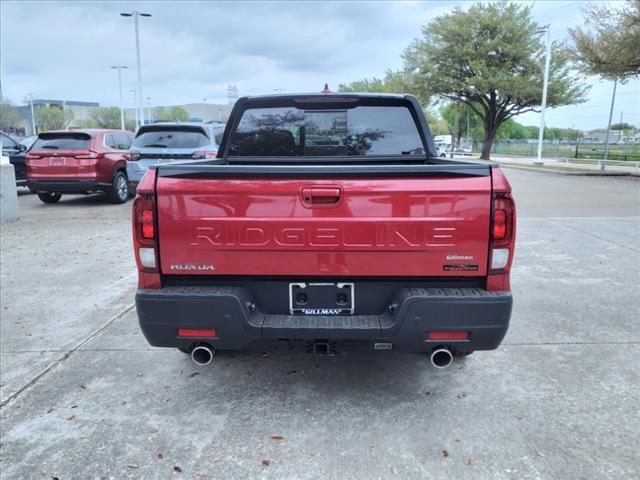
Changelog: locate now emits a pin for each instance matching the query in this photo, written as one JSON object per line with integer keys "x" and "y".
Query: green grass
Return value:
{"x": 583, "y": 171}
{"x": 585, "y": 151}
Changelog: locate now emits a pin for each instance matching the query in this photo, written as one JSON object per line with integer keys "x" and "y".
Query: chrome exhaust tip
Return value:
{"x": 441, "y": 358}
{"x": 202, "y": 355}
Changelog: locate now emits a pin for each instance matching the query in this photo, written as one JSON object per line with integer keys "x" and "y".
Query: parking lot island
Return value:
{"x": 9, "y": 209}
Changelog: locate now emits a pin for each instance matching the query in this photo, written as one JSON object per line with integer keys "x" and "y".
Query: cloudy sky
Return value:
{"x": 194, "y": 50}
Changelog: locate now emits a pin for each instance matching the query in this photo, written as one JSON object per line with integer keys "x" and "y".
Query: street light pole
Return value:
{"x": 135, "y": 14}
{"x": 120, "y": 67}
{"x": 545, "y": 85}
{"x": 135, "y": 106}
{"x": 33, "y": 117}
{"x": 149, "y": 109}
{"x": 606, "y": 139}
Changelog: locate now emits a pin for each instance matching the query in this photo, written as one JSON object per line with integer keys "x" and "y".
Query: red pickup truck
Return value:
{"x": 326, "y": 221}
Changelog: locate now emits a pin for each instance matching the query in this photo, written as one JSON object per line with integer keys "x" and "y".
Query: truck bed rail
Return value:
{"x": 201, "y": 170}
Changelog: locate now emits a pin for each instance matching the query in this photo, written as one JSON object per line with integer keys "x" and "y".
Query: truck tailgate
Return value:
{"x": 334, "y": 226}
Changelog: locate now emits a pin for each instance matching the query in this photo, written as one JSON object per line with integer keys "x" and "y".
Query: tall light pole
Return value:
{"x": 544, "y": 93}
{"x": 119, "y": 68}
{"x": 605, "y": 157}
{"x": 33, "y": 117}
{"x": 135, "y": 14}
{"x": 135, "y": 106}
{"x": 149, "y": 109}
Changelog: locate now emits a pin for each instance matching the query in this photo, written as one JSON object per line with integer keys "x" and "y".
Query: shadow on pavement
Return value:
{"x": 371, "y": 378}
{"x": 81, "y": 200}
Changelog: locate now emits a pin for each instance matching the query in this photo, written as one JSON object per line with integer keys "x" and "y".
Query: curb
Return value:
{"x": 586, "y": 173}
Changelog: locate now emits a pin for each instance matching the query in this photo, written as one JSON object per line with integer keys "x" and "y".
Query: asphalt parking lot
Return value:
{"x": 84, "y": 396}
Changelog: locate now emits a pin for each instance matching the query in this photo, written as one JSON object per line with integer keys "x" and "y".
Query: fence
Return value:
{"x": 587, "y": 151}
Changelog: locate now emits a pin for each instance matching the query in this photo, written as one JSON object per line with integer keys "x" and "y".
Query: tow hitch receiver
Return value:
{"x": 322, "y": 348}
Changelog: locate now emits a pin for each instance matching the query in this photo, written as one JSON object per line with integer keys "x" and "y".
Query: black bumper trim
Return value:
{"x": 415, "y": 311}
{"x": 69, "y": 186}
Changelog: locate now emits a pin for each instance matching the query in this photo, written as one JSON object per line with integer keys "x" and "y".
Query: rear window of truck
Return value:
{"x": 62, "y": 141}
{"x": 171, "y": 137}
{"x": 290, "y": 131}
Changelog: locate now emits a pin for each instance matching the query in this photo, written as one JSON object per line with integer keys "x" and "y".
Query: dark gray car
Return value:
{"x": 16, "y": 154}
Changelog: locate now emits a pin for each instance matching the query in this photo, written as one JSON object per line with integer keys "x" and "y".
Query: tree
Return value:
{"x": 437, "y": 124}
{"x": 532, "y": 131}
{"x": 448, "y": 113}
{"x": 622, "y": 126}
{"x": 609, "y": 43}
{"x": 397, "y": 82}
{"x": 511, "y": 130}
{"x": 53, "y": 118}
{"x": 10, "y": 118}
{"x": 609, "y": 46}
{"x": 130, "y": 124}
{"x": 490, "y": 57}
{"x": 573, "y": 134}
{"x": 392, "y": 82}
{"x": 171, "y": 114}
{"x": 85, "y": 123}
{"x": 106, "y": 117}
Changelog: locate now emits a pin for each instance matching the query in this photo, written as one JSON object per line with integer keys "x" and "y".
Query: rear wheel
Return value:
{"x": 49, "y": 197}
{"x": 120, "y": 189}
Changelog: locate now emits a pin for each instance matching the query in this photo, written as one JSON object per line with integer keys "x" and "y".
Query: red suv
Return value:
{"x": 79, "y": 161}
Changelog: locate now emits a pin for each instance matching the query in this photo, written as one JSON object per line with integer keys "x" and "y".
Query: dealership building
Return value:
{"x": 81, "y": 111}
{"x": 198, "y": 112}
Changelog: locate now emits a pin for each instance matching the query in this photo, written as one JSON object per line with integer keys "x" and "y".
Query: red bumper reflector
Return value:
{"x": 453, "y": 335}
{"x": 192, "y": 332}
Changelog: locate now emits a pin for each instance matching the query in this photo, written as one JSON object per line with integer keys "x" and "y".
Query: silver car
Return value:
{"x": 161, "y": 143}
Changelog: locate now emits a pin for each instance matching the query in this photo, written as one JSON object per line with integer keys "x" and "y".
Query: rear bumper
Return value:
{"x": 69, "y": 186}
{"x": 136, "y": 170}
{"x": 231, "y": 311}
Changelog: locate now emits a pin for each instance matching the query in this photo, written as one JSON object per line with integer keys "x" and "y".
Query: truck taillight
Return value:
{"x": 499, "y": 224}
{"x": 147, "y": 224}
{"x": 502, "y": 231}
{"x": 144, "y": 232}
{"x": 144, "y": 219}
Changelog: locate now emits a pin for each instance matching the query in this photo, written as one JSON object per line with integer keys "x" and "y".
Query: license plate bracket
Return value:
{"x": 321, "y": 298}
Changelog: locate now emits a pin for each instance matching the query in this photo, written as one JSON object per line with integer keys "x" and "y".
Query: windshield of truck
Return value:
{"x": 62, "y": 141}
{"x": 170, "y": 137}
{"x": 290, "y": 131}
